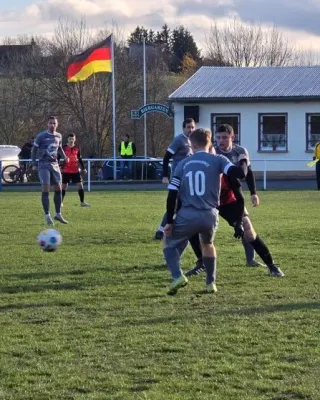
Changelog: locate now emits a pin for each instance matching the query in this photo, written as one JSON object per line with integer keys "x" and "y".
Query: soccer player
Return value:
{"x": 225, "y": 146}
{"x": 178, "y": 149}
{"x": 47, "y": 145}
{"x": 70, "y": 169}
{"x": 232, "y": 210}
{"x": 196, "y": 180}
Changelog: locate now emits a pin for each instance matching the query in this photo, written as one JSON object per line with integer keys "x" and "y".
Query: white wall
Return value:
{"x": 249, "y": 130}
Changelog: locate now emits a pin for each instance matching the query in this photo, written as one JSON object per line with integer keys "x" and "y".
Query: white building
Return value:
{"x": 275, "y": 111}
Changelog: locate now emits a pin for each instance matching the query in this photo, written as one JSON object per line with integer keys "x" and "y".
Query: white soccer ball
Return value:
{"x": 49, "y": 240}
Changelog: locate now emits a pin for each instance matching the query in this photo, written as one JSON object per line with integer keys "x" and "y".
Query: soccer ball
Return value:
{"x": 49, "y": 240}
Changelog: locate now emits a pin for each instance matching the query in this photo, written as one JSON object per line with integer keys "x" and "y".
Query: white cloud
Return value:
{"x": 297, "y": 19}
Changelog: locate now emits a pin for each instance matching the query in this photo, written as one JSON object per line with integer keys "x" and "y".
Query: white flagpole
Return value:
{"x": 113, "y": 113}
{"x": 145, "y": 97}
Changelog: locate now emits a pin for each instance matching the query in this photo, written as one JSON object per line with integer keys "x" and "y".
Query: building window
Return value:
{"x": 230, "y": 119}
{"x": 313, "y": 131}
{"x": 273, "y": 132}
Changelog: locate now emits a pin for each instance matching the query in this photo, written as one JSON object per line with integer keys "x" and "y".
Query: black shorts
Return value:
{"x": 68, "y": 177}
{"x": 231, "y": 212}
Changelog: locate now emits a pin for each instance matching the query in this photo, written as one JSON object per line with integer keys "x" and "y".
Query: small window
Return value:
{"x": 230, "y": 119}
{"x": 273, "y": 132}
{"x": 313, "y": 131}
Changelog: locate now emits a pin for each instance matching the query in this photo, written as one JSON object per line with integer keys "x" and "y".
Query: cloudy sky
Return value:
{"x": 298, "y": 19}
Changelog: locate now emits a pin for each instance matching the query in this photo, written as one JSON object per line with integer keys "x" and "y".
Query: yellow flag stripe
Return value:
{"x": 92, "y": 68}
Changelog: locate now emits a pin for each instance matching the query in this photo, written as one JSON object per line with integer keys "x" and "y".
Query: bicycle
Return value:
{"x": 15, "y": 174}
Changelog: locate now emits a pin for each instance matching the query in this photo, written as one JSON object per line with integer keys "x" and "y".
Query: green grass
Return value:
{"x": 93, "y": 321}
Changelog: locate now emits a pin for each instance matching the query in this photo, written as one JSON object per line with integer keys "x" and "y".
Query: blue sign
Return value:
{"x": 154, "y": 107}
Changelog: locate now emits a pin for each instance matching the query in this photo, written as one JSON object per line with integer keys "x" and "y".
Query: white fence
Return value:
{"x": 104, "y": 169}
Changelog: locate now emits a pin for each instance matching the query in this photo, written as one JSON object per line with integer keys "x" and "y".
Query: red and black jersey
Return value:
{"x": 74, "y": 156}
{"x": 226, "y": 194}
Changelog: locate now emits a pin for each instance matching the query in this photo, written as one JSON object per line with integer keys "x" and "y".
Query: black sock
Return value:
{"x": 57, "y": 201}
{"x": 63, "y": 193}
{"x": 81, "y": 195}
{"x": 196, "y": 246}
{"x": 262, "y": 250}
{"x": 45, "y": 202}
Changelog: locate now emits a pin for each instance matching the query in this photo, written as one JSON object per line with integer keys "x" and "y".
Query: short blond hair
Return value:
{"x": 201, "y": 137}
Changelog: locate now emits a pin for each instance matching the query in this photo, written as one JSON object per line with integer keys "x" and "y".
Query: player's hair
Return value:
{"x": 52, "y": 117}
{"x": 225, "y": 128}
{"x": 71, "y": 135}
{"x": 127, "y": 135}
{"x": 201, "y": 137}
{"x": 187, "y": 121}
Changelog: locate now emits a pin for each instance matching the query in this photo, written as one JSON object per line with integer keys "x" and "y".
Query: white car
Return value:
{"x": 9, "y": 155}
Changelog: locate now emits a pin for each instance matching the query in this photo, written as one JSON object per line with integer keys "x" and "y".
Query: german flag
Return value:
{"x": 95, "y": 59}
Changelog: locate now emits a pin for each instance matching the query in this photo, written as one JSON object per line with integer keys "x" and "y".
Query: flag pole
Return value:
{"x": 113, "y": 112}
{"x": 145, "y": 97}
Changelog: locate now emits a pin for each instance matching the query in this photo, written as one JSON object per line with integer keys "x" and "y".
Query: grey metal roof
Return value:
{"x": 250, "y": 83}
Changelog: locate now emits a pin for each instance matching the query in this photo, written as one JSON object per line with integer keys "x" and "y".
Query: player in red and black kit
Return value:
{"x": 71, "y": 170}
{"x": 232, "y": 209}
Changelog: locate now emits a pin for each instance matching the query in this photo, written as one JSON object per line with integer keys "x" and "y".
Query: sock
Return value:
{"x": 45, "y": 202}
{"x": 163, "y": 222}
{"x": 81, "y": 195}
{"x": 57, "y": 201}
{"x": 249, "y": 250}
{"x": 210, "y": 264}
{"x": 196, "y": 246}
{"x": 172, "y": 258}
{"x": 262, "y": 250}
{"x": 63, "y": 193}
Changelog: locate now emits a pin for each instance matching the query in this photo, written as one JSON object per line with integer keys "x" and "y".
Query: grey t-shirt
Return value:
{"x": 198, "y": 180}
{"x": 180, "y": 148}
{"x": 234, "y": 153}
{"x": 48, "y": 144}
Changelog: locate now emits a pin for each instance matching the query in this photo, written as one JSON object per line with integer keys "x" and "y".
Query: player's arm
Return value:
{"x": 34, "y": 150}
{"x": 80, "y": 160}
{"x": 165, "y": 164}
{"x": 251, "y": 182}
{"x": 234, "y": 172}
{"x": 61, "y": 154}
{"x": 171, "y": 151}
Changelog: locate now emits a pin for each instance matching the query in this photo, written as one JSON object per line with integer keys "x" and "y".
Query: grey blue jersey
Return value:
{"x": 180, "y": 148}
{"x": 234, "y": 153}
{"x": 48, "y": 145}
{"x": 198, "y": 180}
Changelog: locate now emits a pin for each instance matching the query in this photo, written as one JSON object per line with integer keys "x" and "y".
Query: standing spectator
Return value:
{"x": 316, "y": 156}
{"x": 127, "y": 150}
{"x": 25, "y": 154}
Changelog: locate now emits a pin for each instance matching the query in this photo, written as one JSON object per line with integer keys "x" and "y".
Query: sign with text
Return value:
{"x": 154, "y": 107}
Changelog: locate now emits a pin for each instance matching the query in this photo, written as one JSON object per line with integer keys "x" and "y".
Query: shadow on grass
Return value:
{"x": 40, "y": 288}
{"x": 177, "y": 319}
{"x": 42, "y": 275}
{"x": 22, "y": 306}
{"x": 272, "y": 309}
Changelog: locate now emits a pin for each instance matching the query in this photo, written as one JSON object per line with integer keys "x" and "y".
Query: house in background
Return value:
{"x": 274, "y": 111}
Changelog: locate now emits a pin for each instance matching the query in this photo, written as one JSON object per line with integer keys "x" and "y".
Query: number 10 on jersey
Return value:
{"x": 197, "y": 183}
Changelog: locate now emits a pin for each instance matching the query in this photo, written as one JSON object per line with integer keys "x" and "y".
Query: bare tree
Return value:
{"x": 244, "y": 45}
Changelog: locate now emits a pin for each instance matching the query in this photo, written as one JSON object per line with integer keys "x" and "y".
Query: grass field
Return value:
{"x": 93, "y": 321}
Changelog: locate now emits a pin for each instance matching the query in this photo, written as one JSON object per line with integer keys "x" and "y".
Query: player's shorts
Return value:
{"x": 232, "y": 212}
{"x": 50, "y": 174}
{"x": 68, "y": 177}
{"x": 189, "y": 222}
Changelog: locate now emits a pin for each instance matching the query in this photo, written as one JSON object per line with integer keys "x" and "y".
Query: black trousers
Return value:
{"x": 318, "y": 174}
